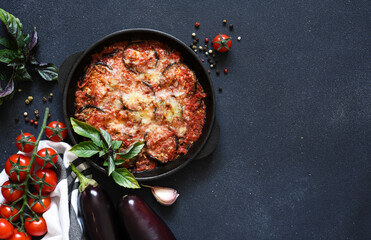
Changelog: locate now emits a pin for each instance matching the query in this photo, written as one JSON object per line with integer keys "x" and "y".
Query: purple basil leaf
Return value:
{"x": 34, "y": 40}
{"x": 8, "y": 89}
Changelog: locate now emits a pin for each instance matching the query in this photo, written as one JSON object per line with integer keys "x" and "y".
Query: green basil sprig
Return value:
{"x": 101, "y": 143}
{"x": 18, "y": 54}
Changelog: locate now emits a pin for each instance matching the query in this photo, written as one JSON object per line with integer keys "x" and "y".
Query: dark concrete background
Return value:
{"x": 293, "y": 160}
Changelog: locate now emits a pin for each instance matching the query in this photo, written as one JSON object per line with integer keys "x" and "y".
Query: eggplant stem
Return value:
{"x": 84, "y": 181}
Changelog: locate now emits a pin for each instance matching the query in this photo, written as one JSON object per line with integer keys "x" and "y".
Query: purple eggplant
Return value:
{"x": 100, "y": 219}
{"x": 141, "y": 222}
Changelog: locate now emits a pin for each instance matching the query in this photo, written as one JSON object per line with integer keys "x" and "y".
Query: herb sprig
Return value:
{"x": 102, "y": 144}
{"x": 18, "y": 54}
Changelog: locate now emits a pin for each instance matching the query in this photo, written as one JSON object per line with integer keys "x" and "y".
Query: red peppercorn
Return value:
{"x": 31, "y": 121}
{"x": 36, "y": 123}
{"x": 225, "y": 71}
{"x": 206, "y": 40}
{"x": 197, "y": 24}
{"x": 202, "y": 60}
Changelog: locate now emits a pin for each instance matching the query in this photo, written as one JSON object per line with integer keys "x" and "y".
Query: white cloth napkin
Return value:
{"x": 61, "y": 218}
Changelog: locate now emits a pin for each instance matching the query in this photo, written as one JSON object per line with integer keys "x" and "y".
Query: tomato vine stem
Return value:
{"x": 28, "y": 169}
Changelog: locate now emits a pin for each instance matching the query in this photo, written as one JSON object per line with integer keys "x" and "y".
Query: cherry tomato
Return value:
{"x": 25, "y": 142}
{"x": 35, "y": 227}
{"x": 19, "y": 235}
{"x": 38, "y": 207}
{"x": 56, "y": 131}
{"x": 11, "y": 194}
{"x": 46, "y": 157}
{"x": 222, "y": 43}
{"x": 6, "y": 212}
{"x": 14, "y": 172}
{"x": 50, "y": 178}
{"x": 6, "y": 228}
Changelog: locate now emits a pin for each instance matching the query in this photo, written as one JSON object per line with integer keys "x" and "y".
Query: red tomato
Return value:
{"x": 25, "y": 142}
{"x": 56, "y": 131}
{"x": 35, "y": 227}
{"x": 46, "y": 157}
{"x": 14, "y": 172}
{"x": 6, "y": 228}
{"x": 50, "y": 178}
{"x": 11, "y": 194}
{"x": 222, "y": 43}
{"x": 19, "y": 235}
{"x": 6, "y": 212}
{"x": 38, "y": 207}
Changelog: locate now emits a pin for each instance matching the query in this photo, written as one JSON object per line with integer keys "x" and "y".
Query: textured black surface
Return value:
{"x": 293, "y": 161}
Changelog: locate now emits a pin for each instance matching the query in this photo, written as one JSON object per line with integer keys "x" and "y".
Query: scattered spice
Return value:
{"x": 19, "y": 89}
{"x": 27, "y": 101}
{"x": 231, "y": 26}
{"x": 206, "y": 40}
{"x": 206, "y": 53}
{"x": 197, "y": 24}
{"x": 193, "y": 34}
{"x": 201, "y": 48}
{"x": 202, "y": 60}
{"x": 208, "y": 71}
{"x": 195, "y": 50}
{"x": 37, "y": 116}
{"x": 211, "y": 65}
{"x": 25, "y": 114}
{"x": 51, "y": 94}
{"x": 49, "y": 115}
{"x": 239, "y": 38}
{"x": 36, "y": 123}
{"x": 217, "y": 72}
{"x": 26, "y": 119}
{"x": 224, "y": 21}
{"x": 36, "y": 111}
{"x": 30, "y": 98}
{"x": 16, "y": 120}
{"x": 220, "y": 89}
{"x": 31, "y": 121}
{"x": 225, "y": 70}
{"x": 210, "y": 51}
{"x": 44, "y": 99}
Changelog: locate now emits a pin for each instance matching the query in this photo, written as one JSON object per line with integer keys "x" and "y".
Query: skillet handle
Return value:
{"x": 211, "y": 143}
{"x": 66, "y": 68}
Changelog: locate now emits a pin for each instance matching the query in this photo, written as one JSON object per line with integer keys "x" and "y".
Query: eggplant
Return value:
{"x": 99, "y": 217}
{"x": 141, "y": 222}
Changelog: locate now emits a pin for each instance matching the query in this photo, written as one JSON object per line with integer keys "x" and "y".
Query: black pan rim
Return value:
{"x": 135, "y": 31}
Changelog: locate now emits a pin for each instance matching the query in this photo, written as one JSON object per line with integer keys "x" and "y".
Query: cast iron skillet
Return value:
{"x": 73, "y": 69}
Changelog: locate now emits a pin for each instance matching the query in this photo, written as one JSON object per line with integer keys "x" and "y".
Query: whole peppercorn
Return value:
{"x": 27, "y": 101}
{"x": 206, "y": 40}
{"x": 31, "y": 121}
{"x": 44, "y": 99}
{"x": 225, "y": 70}
{"x": 36, "y": 123}
{"x": 224, "y": 21}
{"x": 220, "y": 89}
{"x": 231, "y": 26}
{"x": 26, "y": 119}
{"x": 217, "y": 72}
{"x": 197, "y": 24}
{"x": 193, "y": 34}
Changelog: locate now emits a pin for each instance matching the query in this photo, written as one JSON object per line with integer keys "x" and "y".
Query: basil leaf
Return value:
{"x": 33, "y": 41}
{"x": 132, "y": 151}
{"x": 116, "y": 145}
{"x": 8, "y": 89}
{"x": 111, "y": 165}
{"x": 86, "y": 130}
{"x": 102, "y": 153}
{"x": 48, "y": 72}
{"x": 6, "y": 56}
{"x": 107, "y": 138}
{"x": 7, "y": 43}
{"x": 124, "y": 178}
{"x": 85, "y": 149}
{"x": 22, "y": 74}
{"x": 14, "y": 27}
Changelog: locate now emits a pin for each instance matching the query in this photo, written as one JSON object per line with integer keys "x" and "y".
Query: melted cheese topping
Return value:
{"x": 142, "y": 91}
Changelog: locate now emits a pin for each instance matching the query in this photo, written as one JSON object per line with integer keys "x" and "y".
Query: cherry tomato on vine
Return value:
{"x": 38, "y": 207}
{"x": 16, "y": 171}
{"x": 19, "y": 235}
{"x": 6, "y": 228}
{"x": 56, "y": 131}
{"x": 46, "y": 157}
{"x": 50, "y": 178}
{"x": 35, "y": 227}
{"x": 222, "y": 43}
{"x": 7, "y": 212}
{"x": 25, "y": 142}
{"x": 12, "y": 193}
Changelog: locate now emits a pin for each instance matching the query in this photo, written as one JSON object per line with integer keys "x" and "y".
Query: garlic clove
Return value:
{"x": 164, "y": 195}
